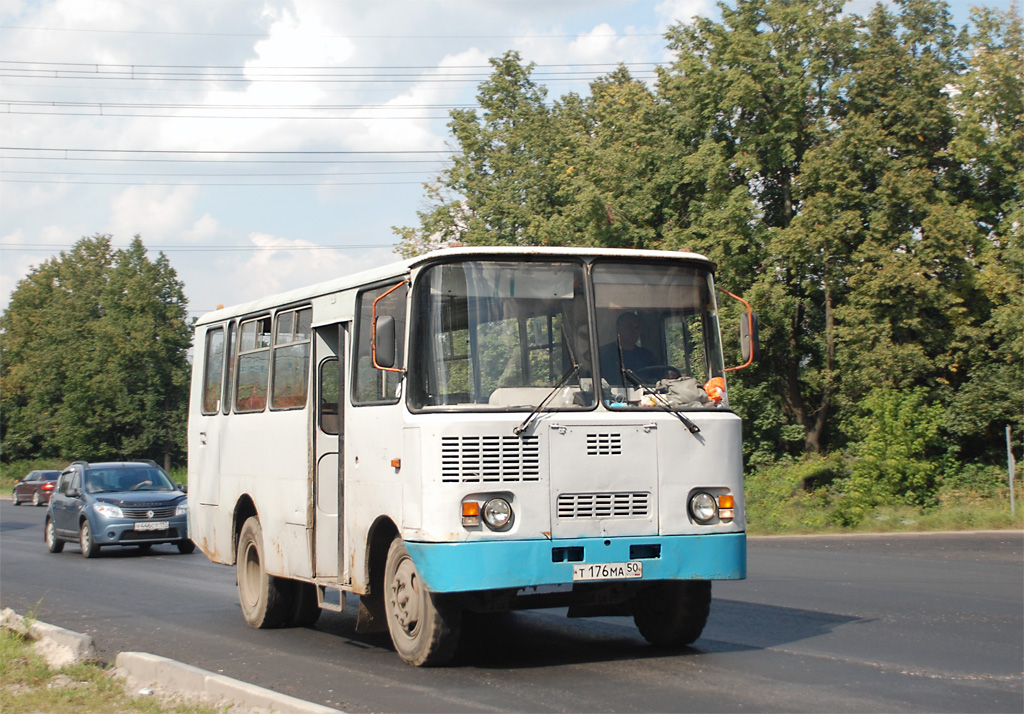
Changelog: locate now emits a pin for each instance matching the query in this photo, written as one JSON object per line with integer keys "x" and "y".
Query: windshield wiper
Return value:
{"x": 629, "y": 375}
{"x": 574, "y": 369}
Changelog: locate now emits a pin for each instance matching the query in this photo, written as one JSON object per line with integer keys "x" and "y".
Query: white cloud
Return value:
{"x": 280, "y": 265}
{"x": 669, "y": 12}
{"x": 158, "y": 213}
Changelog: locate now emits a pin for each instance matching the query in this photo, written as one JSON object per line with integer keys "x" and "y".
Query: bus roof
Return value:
{"x": 402, "y": 267}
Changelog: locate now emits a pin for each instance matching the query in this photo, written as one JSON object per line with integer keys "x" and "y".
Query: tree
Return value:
{"x": 857, "y": 179}
{"x": 94, "y": 357}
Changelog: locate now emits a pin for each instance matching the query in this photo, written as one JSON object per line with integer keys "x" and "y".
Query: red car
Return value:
{"x": 37, "y": 487}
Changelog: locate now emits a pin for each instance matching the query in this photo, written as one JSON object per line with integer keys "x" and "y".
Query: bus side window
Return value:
{"x": 213, "y": 369}
{"x": 253, "y": 365}
{"x": 328, "y": 413}
{"x": 291, "y": 359}
{"x": 374, "y": 386}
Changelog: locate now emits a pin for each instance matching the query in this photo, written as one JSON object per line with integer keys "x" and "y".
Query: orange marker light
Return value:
{"x": 726, "y": 507}
{"x": 470, "y": 514}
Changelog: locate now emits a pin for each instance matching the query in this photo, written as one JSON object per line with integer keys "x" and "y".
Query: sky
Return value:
{"x": 263, "y": 145}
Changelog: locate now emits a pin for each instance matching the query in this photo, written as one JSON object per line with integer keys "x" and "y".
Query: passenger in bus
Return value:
{"x": 628, "y": 328}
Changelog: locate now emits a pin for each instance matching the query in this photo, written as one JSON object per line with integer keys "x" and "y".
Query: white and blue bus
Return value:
{"x": 473, "y": 430}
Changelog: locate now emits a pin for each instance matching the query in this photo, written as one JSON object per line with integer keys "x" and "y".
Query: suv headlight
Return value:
{"x": 182, "y": 509}
{"x": 108, "y": 510}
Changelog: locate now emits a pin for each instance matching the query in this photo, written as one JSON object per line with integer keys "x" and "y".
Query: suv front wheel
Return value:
{"x": 53, "y": 543}
{"x": 87, "y": 542}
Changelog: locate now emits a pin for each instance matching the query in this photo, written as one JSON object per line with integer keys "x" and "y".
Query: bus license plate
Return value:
{"x": 607, "y": 571}
{"x": 152, "y": 526}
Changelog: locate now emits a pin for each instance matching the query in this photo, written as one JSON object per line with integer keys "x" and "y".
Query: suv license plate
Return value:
{"x": 152, "y": 526}
{"x": 607, "y": 571}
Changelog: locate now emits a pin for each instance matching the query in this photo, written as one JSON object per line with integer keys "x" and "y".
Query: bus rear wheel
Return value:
{"x": 424, "y": 626}
{"x": 263, "y": 597}
{"x": 672, "y": 613}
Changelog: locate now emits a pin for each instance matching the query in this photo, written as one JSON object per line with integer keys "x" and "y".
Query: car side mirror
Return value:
{"x": 183, "y": 487}
{"x": 74, "y": 493}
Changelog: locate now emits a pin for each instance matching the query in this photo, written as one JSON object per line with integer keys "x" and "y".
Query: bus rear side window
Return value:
{"x": 291, "y": 359}
{"x": 213, "y": 370}
{"x": 253, "y": 365}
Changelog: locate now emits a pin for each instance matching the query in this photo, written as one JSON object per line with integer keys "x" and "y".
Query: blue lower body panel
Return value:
{"x": 490, "y": 565}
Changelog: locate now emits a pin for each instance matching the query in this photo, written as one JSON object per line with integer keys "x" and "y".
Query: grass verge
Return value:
{"x": 29, "y": 686}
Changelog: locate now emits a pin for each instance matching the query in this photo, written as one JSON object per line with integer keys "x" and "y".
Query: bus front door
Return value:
{"x": 329, "y": 440}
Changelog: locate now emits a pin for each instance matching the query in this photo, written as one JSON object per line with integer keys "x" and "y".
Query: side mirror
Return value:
{"x": 183, "y": 487}
{"x": 749, "y": 341}
{"x": 74, "y": 493}
{"x": 384, "y": 342}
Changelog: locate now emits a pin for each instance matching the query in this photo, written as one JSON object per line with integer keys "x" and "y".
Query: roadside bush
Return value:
{"x": 898, "y": 452}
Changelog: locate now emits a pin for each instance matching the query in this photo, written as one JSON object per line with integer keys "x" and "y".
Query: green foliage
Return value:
{"x": 94, "y": 357}
{"x": 858, "y": 179}
{"x": 899, "y": 454}
{"x": 29, "y": 685}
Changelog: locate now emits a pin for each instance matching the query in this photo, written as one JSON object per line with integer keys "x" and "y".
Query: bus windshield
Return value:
{"x": 655, "y": 322}
{"x": 493, "y": 334}
{"x": 501, "y": 335}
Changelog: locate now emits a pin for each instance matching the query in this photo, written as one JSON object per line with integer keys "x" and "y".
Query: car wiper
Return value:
{"x": 574, "y": 369}
{"x": 628, "y": 374}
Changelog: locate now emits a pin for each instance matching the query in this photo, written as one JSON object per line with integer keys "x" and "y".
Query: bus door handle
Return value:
{"x": 202, "y": 438}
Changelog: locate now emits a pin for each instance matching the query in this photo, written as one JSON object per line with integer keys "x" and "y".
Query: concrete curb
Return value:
{"x": 142, "y": 668}
{"x": 59, "y": 647}
{"x": 158, "y": 675}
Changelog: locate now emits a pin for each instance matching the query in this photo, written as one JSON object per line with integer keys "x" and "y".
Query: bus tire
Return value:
{"x": 672, "y": 613}
{"x": 263, "y": 597}
{"x": 424, "y": 626}
{"x": 305, "y": 609}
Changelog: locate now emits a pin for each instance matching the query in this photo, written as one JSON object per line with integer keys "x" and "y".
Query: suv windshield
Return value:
{"x": 131, "y": 479}
{"x": 495, "y": 334}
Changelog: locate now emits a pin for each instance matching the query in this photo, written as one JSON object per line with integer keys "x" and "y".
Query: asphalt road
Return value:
{"x": 896, "y": 623}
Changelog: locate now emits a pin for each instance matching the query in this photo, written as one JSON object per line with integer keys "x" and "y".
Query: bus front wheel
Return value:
{"x": 424, "y": 626}
{"x": 263, "y": 597}
{"x": 672, "y": 613}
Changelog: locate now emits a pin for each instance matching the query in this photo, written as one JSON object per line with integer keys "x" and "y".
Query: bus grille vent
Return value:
{"x": 489, "y": 459}
{"x": 629, "y": 504}
{"x": 604, "y": 444}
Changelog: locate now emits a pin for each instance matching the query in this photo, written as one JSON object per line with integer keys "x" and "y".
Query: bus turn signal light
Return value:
{"x": 470, "y": 514}
{"x": 726, "y": 507}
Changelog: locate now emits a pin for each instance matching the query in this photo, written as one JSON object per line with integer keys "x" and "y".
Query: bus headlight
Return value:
{"x": 497, "y": 513}
{"x": 703, "y": 506}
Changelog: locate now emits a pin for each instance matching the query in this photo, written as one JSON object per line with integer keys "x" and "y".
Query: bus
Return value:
{"x": 473, "y": 430}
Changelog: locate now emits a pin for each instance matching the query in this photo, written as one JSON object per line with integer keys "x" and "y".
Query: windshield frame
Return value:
{"x": 419, "y": 330}
{"x": 707, "y": 318}
{"x": 422, "y": 317}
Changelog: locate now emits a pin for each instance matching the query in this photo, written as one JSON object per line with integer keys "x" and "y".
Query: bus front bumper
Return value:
{"x": 490, "y": 565}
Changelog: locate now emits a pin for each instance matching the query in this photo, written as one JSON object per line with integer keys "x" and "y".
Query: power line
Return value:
{"x": 530, "y": 36}
{"x": 215, "y": 183}
{"x": 207, "y": 152}
{"x": 46, "y": 247}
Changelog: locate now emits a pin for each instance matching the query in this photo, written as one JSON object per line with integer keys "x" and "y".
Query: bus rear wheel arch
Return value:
{"x": 424, "y": 625}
